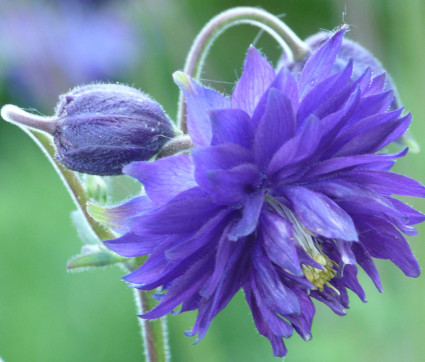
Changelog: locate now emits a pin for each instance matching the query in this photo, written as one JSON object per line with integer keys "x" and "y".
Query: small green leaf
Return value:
{"x": 93, "y": 256}
{"x": 85, "y": 232}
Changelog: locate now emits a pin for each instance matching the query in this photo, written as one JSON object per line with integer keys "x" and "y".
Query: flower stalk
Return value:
{"x": 292, "y": 45}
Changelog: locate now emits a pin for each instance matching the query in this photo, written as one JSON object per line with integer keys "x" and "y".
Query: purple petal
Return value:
{"x": 278, "y": 297}
{"x": 321, "y": 215}
{"x": 320, "y": 64}
{"x": 165, "y": 178}
{"x": 302, "y": 322}
{"x": 297, "y": 149}
{"x": 218, "y": 157}
{"x": 182, "y": 288}
{"x": 185, "y": 213}
{"x": 233, "y": 186}
{"x": 210, "y": 231}
{"x": 387, "y": 183}
{"x": 372, "y": 105}
{"x": 199, "y": 101}
{"x": 250, "y": 215}
{"x": 262, "y": 318}
{"x": 340, "y": 163}
{"x": 413, "y": 217}
{"x": 131, "y": 244}
{"x": 398, "y": 131}
{"x": 256, "y": 78}
{"x": 223, "y": 156}
{"x": 350, "y": 281}
{"x": 231, "y": 126}
{"x": 331, "y": 299}
{"x": 372, "y": 139}
{"x": 277, "y": 125}
{"x": 284, "y": 82}
{"x": 278, "y": 241}
{"x": 228, "y": 253}
{"x": 382, "y": 240}
{"x": 366, "y": 262}
{"x": 322, "y": 93}
{"x": 118, "y": 217}
{"x": 377, "y": 84}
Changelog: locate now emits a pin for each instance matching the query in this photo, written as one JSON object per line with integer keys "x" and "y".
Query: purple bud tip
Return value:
{"x": 103, "y": 127}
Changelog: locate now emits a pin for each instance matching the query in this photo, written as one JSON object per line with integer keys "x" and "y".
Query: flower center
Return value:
{"x": 319, "y": 277}
{"x": 305, "y": 238}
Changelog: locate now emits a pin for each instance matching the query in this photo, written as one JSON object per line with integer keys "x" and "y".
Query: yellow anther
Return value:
{"x": 319, "y": 277}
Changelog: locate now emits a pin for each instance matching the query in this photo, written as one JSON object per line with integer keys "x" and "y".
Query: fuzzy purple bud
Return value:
{"x": 102, "y": 127}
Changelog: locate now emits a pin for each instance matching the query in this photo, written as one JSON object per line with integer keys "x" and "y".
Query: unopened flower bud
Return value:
{"x": 102, "y": 127}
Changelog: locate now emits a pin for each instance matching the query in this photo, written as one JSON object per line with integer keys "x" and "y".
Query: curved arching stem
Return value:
{"x": 292, "y": 45}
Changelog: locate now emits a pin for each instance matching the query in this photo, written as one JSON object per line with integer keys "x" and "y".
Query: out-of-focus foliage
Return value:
{"x": 47, "y": 314}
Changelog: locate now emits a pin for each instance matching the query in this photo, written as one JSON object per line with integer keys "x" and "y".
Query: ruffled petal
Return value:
{"x": 233, "y": 186}
{"x": 277, "y": 125}
{"x": 320, "y": 64}
{"x": 219, "y": 157}
{"x": 382, "y": 240}
{"x": 177, "y": 216}
{"x": 231, "y": 126}
{"x": 131, "y": 245}
{"x": 320, "y": 214}
{"x": 119, "y": 217}
{"x": 199, "y": 101}
{"x": 250, "y": 216}
{"x": 278, "y": 241}
{"x": 165, "y": 178}
{"x": 256, "y": 78}
{"x": 387, "y": 183}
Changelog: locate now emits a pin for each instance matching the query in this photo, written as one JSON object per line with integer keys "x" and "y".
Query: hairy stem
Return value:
{"x": 293, "y": 46}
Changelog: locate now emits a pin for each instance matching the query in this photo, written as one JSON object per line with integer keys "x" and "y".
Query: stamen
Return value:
{"x": 306, "y": 239}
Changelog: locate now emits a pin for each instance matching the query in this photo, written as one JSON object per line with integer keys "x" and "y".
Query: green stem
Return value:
{"x": 293, "y": 46}
{"x": 154, "y": 333}
{"x": 70, "y": 180}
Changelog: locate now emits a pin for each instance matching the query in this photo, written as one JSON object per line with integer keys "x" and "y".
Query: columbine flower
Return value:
{"x": 282, "y": 196}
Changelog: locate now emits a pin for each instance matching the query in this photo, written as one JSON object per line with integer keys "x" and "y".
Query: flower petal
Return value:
{"x": 131, "y": 245}
{"x": 165, "y": 178}
{"x": 233, "y": 186}
{"x": 277, "y": 125}
{"x": 278, "y": 241}
{"x": 277, "y": 296}
{"x": 366, "y": 262}
{"x": 231, "y": 126}
{"x": 284, "y": 82}
{"x": 118, "y": 217}
{"x": 219, "y": 157}
{"x": 320, "y": 214}
{"x": 338, "y": 164}
{"x": 382, "y": 240}
{"x": 320, "y": 64}
{"x": 250, "y": 215}
{"x": 199, "y": 101}
{"x": 256, "y": 78}
{"x": 387, "y": 183}
{"x": 177, "y": 216}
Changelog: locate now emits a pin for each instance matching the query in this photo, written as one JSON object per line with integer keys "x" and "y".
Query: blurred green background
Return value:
{"x": 47, "y": 314}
